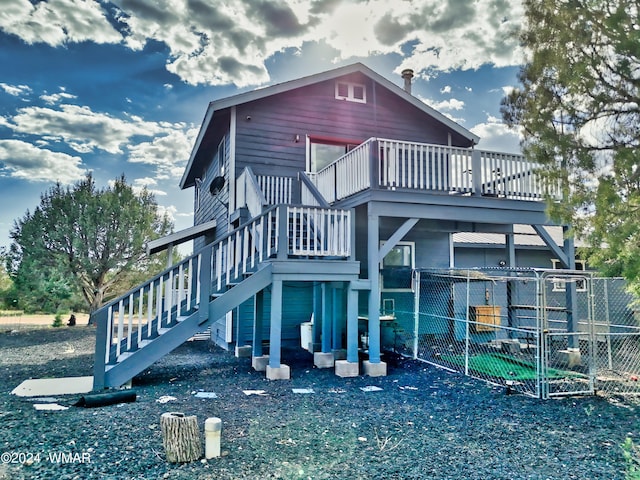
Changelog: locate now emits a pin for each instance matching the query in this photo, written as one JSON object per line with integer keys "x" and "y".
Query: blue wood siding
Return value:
{"x": 210, "y": 208}
{"x": 267, "y": 128}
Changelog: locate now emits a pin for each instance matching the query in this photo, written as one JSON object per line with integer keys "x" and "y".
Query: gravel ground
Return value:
{"x": 424, "y": 423}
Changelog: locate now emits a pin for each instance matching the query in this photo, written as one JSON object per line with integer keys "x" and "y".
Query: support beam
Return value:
{"x": 258, "y": 323}
{"x": 553, "y": 246}
{"x": 352, "y": 323}
{"x": 396, "y": 237}
{"x": 327, "y": 313}
{"x": 373, "y": 242}
{"x": 275, "y": 330}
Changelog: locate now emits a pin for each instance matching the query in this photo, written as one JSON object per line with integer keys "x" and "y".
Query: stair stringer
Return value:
{"x": 132, "y": 365}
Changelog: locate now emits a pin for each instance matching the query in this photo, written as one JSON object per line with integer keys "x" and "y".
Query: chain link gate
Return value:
{"x": 542, "y": 333}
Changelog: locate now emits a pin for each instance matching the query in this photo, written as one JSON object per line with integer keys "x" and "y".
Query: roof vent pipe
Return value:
{"x": 407, "y": 74}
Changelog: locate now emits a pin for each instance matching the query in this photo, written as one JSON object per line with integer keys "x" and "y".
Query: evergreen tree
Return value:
{"x": 579, "y": 111}
{"x": 87, "y": 240}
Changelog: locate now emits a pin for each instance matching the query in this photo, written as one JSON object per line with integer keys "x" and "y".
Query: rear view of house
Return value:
{"x": 314, "y": 201}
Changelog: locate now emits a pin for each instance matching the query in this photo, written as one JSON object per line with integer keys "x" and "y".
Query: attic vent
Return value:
{"x": 352, "y": 92}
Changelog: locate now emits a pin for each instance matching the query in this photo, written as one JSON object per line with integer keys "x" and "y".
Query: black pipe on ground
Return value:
{"x": 104, "y": 399}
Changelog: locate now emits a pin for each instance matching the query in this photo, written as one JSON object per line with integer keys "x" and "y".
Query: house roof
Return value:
{"x": 224, "y": 103}
{"x": 524, "y": 236}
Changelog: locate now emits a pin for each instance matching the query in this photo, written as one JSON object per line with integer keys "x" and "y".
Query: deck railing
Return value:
{"x": 394, "y": 164}
{"x": 282, "y": 231}
{"x": 259, "y": 191}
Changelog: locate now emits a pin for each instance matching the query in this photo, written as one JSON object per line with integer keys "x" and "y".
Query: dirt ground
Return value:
{"x": 419, "y": 422}
{"x": 23, "y": 321}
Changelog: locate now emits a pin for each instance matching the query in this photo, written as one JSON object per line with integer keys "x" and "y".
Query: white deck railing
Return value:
{"x": 394, "y": 164}
{"x": 129, "y": 321}
{"x": 259, "y": 191}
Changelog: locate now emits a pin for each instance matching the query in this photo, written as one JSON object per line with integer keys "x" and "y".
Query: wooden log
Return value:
{"x": 180, "y": 437}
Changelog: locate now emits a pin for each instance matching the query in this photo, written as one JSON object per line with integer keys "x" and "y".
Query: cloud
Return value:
{"x": 58, "y": 22}
{"x": 164, "y": 145}
{"x": 446, "y": 89}
{"x": 54, "y": 98}
{"x": 16, "y": 90}
{"x": 81, "y": 128}
{"x": 228, "y": 42}
{"x": 25, "y": 161}
{"x": 447, "y": 105}
{"x": 495, "y": 135}
{"x": 168, "y": 153}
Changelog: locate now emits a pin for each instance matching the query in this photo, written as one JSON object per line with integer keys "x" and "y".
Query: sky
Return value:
{"x": 122, "y": 86}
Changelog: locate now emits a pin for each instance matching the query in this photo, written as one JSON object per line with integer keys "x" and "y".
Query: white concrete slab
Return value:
{"x": 45, "y": 387}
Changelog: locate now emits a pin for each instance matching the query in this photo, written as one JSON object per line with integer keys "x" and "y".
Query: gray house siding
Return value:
{"x": 267, "y": 128}
{"x": 206, "y": 207}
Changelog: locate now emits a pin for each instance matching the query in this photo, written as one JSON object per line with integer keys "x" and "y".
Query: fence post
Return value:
{"x": 374, "y": 163}
{"x": 416, "y": 313}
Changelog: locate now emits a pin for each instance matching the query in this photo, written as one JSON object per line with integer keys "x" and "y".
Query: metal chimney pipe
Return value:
{"x": 407, "y": 74}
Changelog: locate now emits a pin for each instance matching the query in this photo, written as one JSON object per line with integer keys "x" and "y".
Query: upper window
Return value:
{"x": 352, "y": 92}
{"x": 321, "y": 151}
{"x": 560, "y": 284}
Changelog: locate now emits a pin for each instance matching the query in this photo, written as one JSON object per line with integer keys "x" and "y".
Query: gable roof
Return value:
{"x": 260, "y": 93}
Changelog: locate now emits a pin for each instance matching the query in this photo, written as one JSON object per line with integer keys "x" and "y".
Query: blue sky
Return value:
{"x": 122, "y": 86}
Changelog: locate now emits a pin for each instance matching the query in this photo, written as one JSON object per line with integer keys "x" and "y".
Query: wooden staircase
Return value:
{"x": 151, "y": 320}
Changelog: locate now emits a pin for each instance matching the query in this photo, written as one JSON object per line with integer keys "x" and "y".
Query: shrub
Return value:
{"x": 57, "y": 321}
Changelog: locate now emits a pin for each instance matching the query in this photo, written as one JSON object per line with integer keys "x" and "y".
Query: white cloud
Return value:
{"x": 222, "y": 42}
{"x": 451, "y": 104}
{"x": 16, "y": 90}
{"x": 56, "y": 22}
{"x": 495, "y": 135}
{"x": 52, "y": 99}
{"x": 81, "y": 128}
{"x": 445, "y": 89}
{"x": 168, "y": 153}
{"x": 25, "y": 161}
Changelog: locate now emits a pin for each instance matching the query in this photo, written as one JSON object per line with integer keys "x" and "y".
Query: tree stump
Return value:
{"x": 180, "y": 437}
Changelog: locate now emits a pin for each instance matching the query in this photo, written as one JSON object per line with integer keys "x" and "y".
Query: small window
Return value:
{"x": 397, "y": 267}
{"x": 352, "y": 92}
{"x": 560, "y": 284}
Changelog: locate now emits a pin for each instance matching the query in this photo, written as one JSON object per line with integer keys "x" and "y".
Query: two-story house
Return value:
{"x": 314, "y": 200}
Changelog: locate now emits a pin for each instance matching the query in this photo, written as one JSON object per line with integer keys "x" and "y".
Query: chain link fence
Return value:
{"x": 542, "y": 333}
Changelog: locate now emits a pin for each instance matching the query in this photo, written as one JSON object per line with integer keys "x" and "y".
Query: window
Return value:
{"x": 352, "y": 92}
{"x": 397, "y": 267}
{"x": 323, "y": 151}
{"x": 559, "y": 284}
{"x": 199, "y": 190}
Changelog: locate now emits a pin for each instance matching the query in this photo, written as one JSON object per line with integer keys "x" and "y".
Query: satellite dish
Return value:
{"x": 217, "y": 184}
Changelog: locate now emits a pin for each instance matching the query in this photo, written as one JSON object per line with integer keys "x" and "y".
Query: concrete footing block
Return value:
{"x": 374, "y": 369}
{"x": 346, "y": 369}
{"x": 323, "y": 360}
{"x": 244, "y": 351}
{"x": 283, "y": 372}
{"x": 259, "y": 364}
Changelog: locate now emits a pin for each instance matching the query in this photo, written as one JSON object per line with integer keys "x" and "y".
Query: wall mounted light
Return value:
{"x": 248, "y": 118}
{"x": 296, "y": 138}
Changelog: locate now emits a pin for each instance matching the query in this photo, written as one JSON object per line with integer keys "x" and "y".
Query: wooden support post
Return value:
{"x": 352, "y": 324}
{"x": 258, "y": 315}
{"x": 275, "y": 331}
{"x": 180, "y": 437}
{"x": 327, "y": 311}
{"x": 373, "y": 243}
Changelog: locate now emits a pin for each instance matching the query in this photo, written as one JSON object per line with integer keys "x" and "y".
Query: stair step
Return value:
{"x": 123, "y": 356}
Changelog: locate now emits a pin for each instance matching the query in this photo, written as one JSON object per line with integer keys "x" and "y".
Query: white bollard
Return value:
{"x": 212, "y": 432}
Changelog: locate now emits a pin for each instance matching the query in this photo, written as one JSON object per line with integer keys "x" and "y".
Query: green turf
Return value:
{"x": 502, "y": 366}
